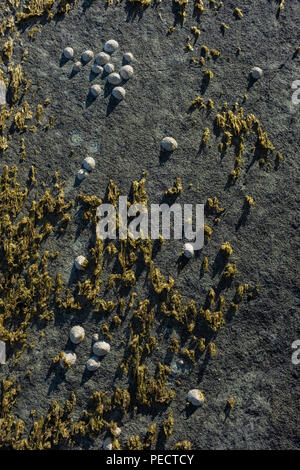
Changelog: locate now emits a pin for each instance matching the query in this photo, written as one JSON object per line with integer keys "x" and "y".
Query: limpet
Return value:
{"x": 111, "y": 46}
{"x": 89, "y": 163}
{"x": 80, "y": 262}
{"x": 188, "y": 250}
{"x": 100, "y": 348}
{"x": 195, "y": 397}
{"x": 114, "y": 79}
{"x": 68, "y": 53}
{"x": 87, "y": 56}
{"x": 126, "y": 72}
{"x": 95, "y": 90}
{"x": 169, "y": 144}
{"x": 119, "y": 93}
{"x": 102, "y": 58}
{"x": 92, "y": 364}
{"x": 77, "y": 334}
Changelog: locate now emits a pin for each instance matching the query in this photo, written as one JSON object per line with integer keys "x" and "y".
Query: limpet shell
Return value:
{"x": 109, "y": 68}
{"x": 128, "y": 57}
{"x": 89, "y": 163}
{"x": 95, "y": 90}
{"x": 101, "y": 348}
{"x": 126, "y": 72}
{"x": 68, "y": 357}
{"x": 169, "y": 144}
{"x": 195, "y": 397}
{"x": 77, "y": 334}
{"x": 256, "y": 73}
{"x": 114, "y": 78}
{"x": 87, "y": 56}
{"x": 92, "y": 364}
{"x": 97, "y": 69}
{"x": 188, "y": 250}
{"x": 80, "y": 262}
{"x": 77, "y": 67}
{"x": 111, "y": 46}
{"x": 102, "y": 58}
{"x": 119, "y": 93}
{"x": 68, "y": 53}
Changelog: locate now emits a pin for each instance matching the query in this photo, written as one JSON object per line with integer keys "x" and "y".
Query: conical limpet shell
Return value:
{"x": 111, "y": 46}
{"x": 77, "y": 334}
{"x": 81, "y": 174}
{"x": 169, "y": 144}
{"x": 107, "y": 443}
{"x": 119, "y": 93}
{"x": 188, "y": 250}
{"x": 68, "y": 359}
{"x": 89, "y": 163}
{"x": 109, "y": 68}
{"x": 80, "y": 263}
{"x": 195, "y": 397}
{"x": 87, "y": 56}
{"x": 126, "y": 72}
{"x": 114, "y": 78}
{"x": 68, "y": 53}
{"x": 102, "y": 58}
{"x": 97, "y": 69}
{"x": 92, "y": 364}
{"x": 100, "y": 348}
{"x": 256, "y": 73}
{"x": 128, "y": 57}
{"x": 77, "y": 67}
{"x": 95, "y": 90}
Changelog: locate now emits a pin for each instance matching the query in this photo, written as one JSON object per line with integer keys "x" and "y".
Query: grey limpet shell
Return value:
{"x": 95, "y": 90}
{"x": 111, "y": 46}
{"x": 126, "y": 72}
{"x": 109, "y": 68}
{"x": 256, "y": 73}
{"x": 97, "y": 69}
{"x": 119, "y": 93}
{"x": 102, "y": 58}
{"x": 77, "y": 67}
{"x": 128, "y": 57}
{"x": 68, "y": 53}
{"x": 87, "y": 56}
{"x": 169, "y": 144}
{"x": 114, "y": 78}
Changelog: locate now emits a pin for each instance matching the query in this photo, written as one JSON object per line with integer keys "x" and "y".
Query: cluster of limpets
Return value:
{"x": 100, "y": 349}
{"x": 103, "y": 66}
{"x": 88, "y": 165}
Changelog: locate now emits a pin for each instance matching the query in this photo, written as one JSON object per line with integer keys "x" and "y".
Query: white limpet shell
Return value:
{"x": 256, "y": 73}
{"x": 2, "y": 93}
{"x": 126, "y": 72}
{"x": 195, "y": 397}
{"x": 92, "y": 364}
{"x": 68, "y": 52}
{"x": 68, "y": 357}
{"x": 95, "y": 337}
{"x": 188, "y": 250}
{"x": 95, "y": 90}
{"x": 80, "y": 262}
{"x": 100, "y": 348}
{"x": 169, "y": 144}
{"x": 97, "y": 69}
{"x": 118, "y": 432}
{"x": 77, "y": 66}
{"x": 77, "y": 334}
{"x": 114, "y": 78}
{"x": 107, "y": 443}
{"x": 109, "y": 68}
{"x": 128, "y": 57}
{"x": 89, "y": 163}
{"x": 119, "y": 93}
{"x": 111, "y": 46}
{"x": 81, "y": 174}
{"x": 87, "y": 56}
{"x": 102, "y": 58}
